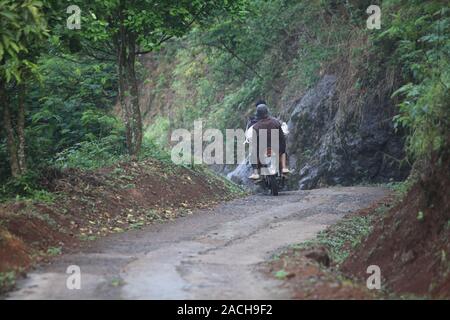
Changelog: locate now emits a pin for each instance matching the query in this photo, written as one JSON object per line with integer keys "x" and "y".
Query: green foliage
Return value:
{"x": 149, "y": 21}
{"x": 54, "y": 251}
{"x": 21, "y": 24}
{"x": 351, "y": 232}
{"x": 42, "y": 196}
{"x": 129, "y": 29}
{"x": 253, "y": 49}
{"x": 343, "y": 237}
{"x": 69, "y": 122}
{"x": 70, "y": 105}
{"x": 150, "y": 149}
{"x": 420, "y": 216}
{"x": 401, "y": 188}
{"x": 281, "y": 274}
{"x": 272, "y": 49}
{"x": 284, "y": 45}
{"x": 158, "y": 131}
{"x": 24, "y": 185}
{"x": 7, "y": 280}
{"x": 92, "y": 154}
{"x": 117, "y": 282}
{"x": 417, "y": 39}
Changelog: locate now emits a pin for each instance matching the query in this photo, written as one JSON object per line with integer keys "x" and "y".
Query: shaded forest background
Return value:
{"x": 61, "y": 97}
{"x": 86, "y": 117}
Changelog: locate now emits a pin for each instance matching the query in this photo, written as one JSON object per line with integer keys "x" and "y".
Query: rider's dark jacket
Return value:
{"x": 270, "y": 123}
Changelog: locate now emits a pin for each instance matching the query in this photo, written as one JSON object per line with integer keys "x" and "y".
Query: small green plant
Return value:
{"x": 54, "y": 251}
{"x": 153, "y": 214}
{"x": 117, "y": 171}
{"x": 281, "y": 274}
{"x": 93, "y": 154}
{"x": 20, "y": 187}
{"x": 423, "y": 53}
{"x": 7, "y": 280}
{"x": 420, "y": 216}
{"x": 158, "y": 132}
{"x": 43, "y": 196}
{"x": 401, "y": 188}
{"x": 150, "y": 149}
{"x": 129, "y": 186}
{"x": 116, "y": 282}
{"x": 136, "y": 225}
{"x": 345, "y": 235}
{"x": 85, "y": 237}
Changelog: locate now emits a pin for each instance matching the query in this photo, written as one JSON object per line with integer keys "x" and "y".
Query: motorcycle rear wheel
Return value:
{"x": 273, "y": 184}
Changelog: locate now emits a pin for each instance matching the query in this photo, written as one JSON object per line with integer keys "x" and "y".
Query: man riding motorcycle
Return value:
{"x": 263, "y": 121}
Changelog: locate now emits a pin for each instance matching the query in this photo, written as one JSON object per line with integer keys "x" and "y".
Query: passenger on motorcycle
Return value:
{"x": 263, "y": 120}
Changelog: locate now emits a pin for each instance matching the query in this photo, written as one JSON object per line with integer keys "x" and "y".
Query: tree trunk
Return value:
{"x": 128, "y": 88}
{"x": 136, "y": 116}
{"x": 21, "y": 129}
{"x": 121, "y": 56}
{"x": 10, "y": 136}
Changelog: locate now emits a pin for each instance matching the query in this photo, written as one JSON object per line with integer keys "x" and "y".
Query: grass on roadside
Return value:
{"x": 341, "y": 238}
{"x": 7, "y": 280}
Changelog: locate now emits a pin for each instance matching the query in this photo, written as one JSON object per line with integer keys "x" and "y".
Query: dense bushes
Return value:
{"x": 274, "y": 50}
{"x": 278, "y": 49}
{"x": 70, "y": 105}
{"x": 69, "y": 120}
{"x": 70, "y": 123}
{"x": 418, "y": 40}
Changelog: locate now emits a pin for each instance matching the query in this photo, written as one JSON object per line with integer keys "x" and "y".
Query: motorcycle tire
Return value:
{"x": 273, "y": 184}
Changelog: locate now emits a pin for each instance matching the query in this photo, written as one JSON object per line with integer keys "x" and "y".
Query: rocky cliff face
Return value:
{"x": 240, "y": 175}
{"x": 330, "y": 144}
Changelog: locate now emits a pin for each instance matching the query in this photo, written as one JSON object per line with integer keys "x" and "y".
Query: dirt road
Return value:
{"x": 212, "y": 254}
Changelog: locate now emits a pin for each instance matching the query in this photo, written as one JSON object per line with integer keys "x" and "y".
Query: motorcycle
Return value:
{"x": 271, "y": 177}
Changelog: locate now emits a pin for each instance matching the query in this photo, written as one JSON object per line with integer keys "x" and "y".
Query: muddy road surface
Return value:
{"x": 212, "y": 254}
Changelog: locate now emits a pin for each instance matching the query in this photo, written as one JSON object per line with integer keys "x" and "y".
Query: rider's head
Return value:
{"x": 260, "y": 102}
{"x": 262, "y": 112}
